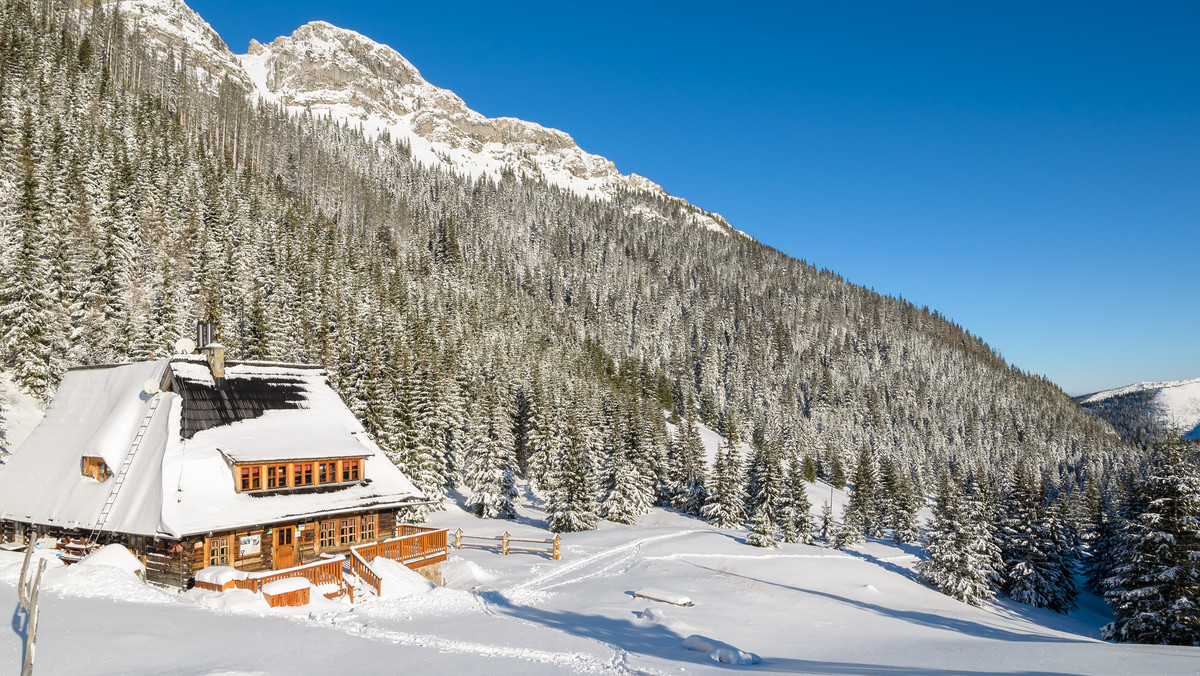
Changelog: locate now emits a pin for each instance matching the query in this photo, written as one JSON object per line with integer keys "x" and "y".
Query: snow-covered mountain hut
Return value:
{"x": 193, "y": 462}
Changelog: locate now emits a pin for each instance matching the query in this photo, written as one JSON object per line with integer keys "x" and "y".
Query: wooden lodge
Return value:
{"x": 192, "y": 462}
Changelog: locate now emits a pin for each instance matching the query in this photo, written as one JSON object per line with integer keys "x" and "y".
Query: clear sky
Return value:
{"x": 1029, "y": 169}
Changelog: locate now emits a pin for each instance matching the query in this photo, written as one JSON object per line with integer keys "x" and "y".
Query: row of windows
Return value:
{"x": 330, "y": 534}
{"x": 301, "y": 474}
{"x": 345, "y": 532}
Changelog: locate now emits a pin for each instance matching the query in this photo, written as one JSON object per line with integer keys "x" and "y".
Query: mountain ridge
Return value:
{"x": 335, "y": 72}
{"x": 1147, "y": 409}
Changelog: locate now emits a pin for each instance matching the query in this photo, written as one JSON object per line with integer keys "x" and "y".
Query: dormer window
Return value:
{"x": 282, "y": 476}
{"x": 303, "y": 475}
{"x": 276, "y": 477}
{"x": 94, "y": 467}
{"x": 251, "y": 478}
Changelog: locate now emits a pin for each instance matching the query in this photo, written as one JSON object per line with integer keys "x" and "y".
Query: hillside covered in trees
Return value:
{"x": 479, "y": 327}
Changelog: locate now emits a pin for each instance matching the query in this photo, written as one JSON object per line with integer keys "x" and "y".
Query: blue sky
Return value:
{"x": 1031, "y": 170}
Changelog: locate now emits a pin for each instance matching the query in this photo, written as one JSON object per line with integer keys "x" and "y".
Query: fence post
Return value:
{"x": 28, "y": 587}
{"x": 504, "y": 544}
{"x": 556, "y": 548}
{"x": 458, "y": 539}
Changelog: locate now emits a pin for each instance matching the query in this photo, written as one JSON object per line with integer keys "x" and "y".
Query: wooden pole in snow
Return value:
{"x": 27, "y": 592}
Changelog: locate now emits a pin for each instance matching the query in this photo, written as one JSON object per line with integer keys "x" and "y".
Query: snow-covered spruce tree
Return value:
{"x": 572, "y": 497}
{"x": 26, "y": 308}
{"x": 851, "y": 530}
{"x": 725, "y": 507}
{"x": 491, "y": 466}
{"x": 865, "y": 508}
{"x": 959, "y": 559}
{"x": 542, "y": 440}
{"x": 901, "y": 504}
{"x": 3, "y": 431}
{"x": 764, "y": 532}
{"x": 1031, "y": 546}
{"x": 795, "y": 520}
{"x": 689, "y": 493}
{"x": 1155, "y": 587}
{"x": 1101, "y": 542}
{"x": 826, "y": 526}
{"x": 628, "y": 489}
{"x": 770, "y": 504}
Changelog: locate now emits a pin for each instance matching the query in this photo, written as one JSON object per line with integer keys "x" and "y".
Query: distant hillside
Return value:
{"x": 1144, "y": 412}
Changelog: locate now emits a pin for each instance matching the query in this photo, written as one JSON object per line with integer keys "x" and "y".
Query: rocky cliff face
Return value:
{"x": 342, "y": 75}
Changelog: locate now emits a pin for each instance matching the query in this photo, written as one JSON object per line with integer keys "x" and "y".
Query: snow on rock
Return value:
{"x": 286, "y": 586}
{"x": 720, "y": 652}
{"x": 116, "y": 556}
{"x": 398, "y": 579}
{"x": 654, "y": 594}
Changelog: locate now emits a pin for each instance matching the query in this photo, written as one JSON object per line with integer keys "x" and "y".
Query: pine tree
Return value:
{"x": 770, "y": 503}
{"x": 796, "y": 522}
{"x": 572, "y": 503}
{"x": 726, "y": 494}
{"x": 864, "y": 510}
{"x": 1101, "y": 542}
{"x": 959, "y": 553}
{"x": 1032, "y": 545}
{"x": 1155, "y": 587}
{"x": 628, "y": 492}
{"x": 4, "y": 452}
{"x": 689, "y": 493}
{"x": 491, "y": 466}
{"x": 826, "y": 526}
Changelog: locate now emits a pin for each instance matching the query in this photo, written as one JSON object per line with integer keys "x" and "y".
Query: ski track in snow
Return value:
{"x": 629, "y": 550}
{"x": 575, "y": 661}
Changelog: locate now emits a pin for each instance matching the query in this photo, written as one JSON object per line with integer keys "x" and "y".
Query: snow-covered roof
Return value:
{"x": 176, "y": 485}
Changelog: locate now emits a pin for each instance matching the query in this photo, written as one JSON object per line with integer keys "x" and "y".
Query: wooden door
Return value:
{"x": 285, "y": 549}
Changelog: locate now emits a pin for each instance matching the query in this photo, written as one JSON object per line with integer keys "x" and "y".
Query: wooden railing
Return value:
{"x": 326, "y": 571}
{"x": 360, "y": 567}
{"x": 504, "y": 543}
{"x": 416, "y": 546}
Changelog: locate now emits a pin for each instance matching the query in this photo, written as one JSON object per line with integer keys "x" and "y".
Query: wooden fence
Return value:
{"x": 504, "y": 544}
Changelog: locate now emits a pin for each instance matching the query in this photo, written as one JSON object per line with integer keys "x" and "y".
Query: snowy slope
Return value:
{"x": 344, "y": 76}
{"x": 1175, "y": 404}
{"x": 798, "y": 609}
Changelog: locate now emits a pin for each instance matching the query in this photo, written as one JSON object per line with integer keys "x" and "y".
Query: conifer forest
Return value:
{"x": 492, "y": 331}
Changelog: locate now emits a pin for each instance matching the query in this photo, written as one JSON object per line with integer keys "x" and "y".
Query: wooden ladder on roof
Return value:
{"x": 119, "y": 481}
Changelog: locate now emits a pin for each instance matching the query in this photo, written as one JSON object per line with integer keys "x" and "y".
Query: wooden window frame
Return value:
{"x": 213, "y": 551}
{"x": 276, "y": 472}
{"x": 302, "y": 474}
{"x": 348, "y": 531}
{"x": 251, "y": 477}
{"x": 284, "y": 475}
{"x": 368, "y": 523}
{"x": 329, "y": 528}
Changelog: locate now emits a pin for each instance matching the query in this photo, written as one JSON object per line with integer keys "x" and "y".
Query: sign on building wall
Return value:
{"x": 251, "y": 544}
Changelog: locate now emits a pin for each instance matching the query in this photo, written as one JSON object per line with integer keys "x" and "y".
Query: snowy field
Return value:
{"x": 798, "y": 609}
